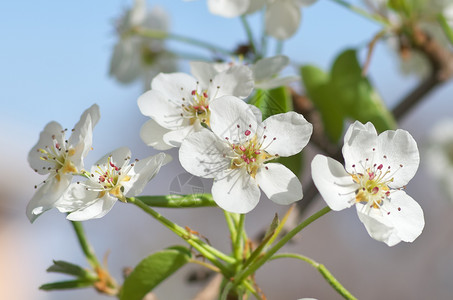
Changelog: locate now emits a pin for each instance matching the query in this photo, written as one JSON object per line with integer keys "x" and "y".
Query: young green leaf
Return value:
{"x": 272, "y": 102}
{"x": 153, "y": 270}
{"x": 64, "y": 267}
{"x": 65, "y": 285}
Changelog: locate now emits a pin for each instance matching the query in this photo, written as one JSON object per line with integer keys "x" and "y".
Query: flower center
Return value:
{"x": 110, "y": 177}
{"x": 250, "y": 153}
{"x": 197, "y": 108}
{"x": 373, "y": 183}
{"x": 59, "y": 158}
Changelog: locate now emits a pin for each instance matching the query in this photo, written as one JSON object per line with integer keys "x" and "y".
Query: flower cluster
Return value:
{"x": 222, "y": 137}
{"x": 111, "y": 178}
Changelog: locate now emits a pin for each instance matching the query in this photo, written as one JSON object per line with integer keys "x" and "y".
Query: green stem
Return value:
{"x": 249, "y": 33}
{"x": 231, "y": 227}
{"x": 162, "y": 35}
{"x": 324, "y": 272}
{"x": 250, "y": 288}
{"x": 279, "y": 49}
{"x": 207, "y": 251}
{"x": 260, "y": 261}
{"x": 85, "y": 245}
{"x": 238, "y": 245}
{"x": 363, "y": 13}
{"x": 178, "y": 201}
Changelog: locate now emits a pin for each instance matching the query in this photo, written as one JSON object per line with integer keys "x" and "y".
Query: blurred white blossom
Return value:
{"x": 439, "y": 155}
{"x": 137, "y": 57}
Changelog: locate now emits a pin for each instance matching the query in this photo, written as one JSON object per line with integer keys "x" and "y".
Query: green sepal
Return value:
{"x": 152, "y": 270}
{"x": 65, "y": 285}
{"x": 178, "y": 201}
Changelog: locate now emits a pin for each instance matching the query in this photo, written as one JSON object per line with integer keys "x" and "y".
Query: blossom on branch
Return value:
{"x": 112, "y": 178}
{"x": 179, "y": 104}
{"x": 237, "y": 154}
{"x": 377, "y": 168}
{"x": 60, "y": 158}
{"x": 135, "y": 56}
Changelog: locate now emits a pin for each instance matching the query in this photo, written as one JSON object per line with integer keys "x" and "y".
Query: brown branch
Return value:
{"x": 441, "y": 62}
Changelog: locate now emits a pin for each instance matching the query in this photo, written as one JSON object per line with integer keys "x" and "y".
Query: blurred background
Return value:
{"x": 54, "y": 60}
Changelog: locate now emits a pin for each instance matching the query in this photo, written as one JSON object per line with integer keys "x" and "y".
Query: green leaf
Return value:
{"x": 64, "y": 267}
{"x": 345, "y": 94}
{"x": 323, "y": 97}
{"x": 272, "y": 102}
{"x": 178, "y": 201}
{"x": 153, "y": 270}
{"x": 294, "y": 163}
{"x": 65, "y": 285}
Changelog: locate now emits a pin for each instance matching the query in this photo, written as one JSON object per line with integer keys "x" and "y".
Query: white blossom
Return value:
{"x": 265, "y": 71}
{"x": 237, "y": 154}
{"x": 112, "y": 178}
{"x": 179, "y": 104}
{"x": 377, "y": 168}
{"x": 136, "y": 56}
{"x": 60, "y": 158}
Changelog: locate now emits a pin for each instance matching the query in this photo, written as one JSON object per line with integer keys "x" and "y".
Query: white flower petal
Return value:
{"x": 175, "y": 137}
{"x": 96, "y": 210}
{"x": 228, "y": 8}
{"x": 52, "y": 129}
{"x": 165, "y": 112}
{"x": 255, "y": 5}
{"x": 304, "y": 2}
{"x": 398, "y": 150}
{"x": 257, "y": 112}
{"x": 273, "y": 83}
{"x": 290, "y": 130}
{"x": 47, "y": 195}
{"x": 118, "y": 157}
{"x": 204, "y": 72}
{"x": 142, "y": 172}
{"x": 152, "y": 134}
{"x": 333, "y": 183}
{"x": 77, "y": 196}
{"x": 282, "y": 19}
{"x": 227, "y": 113}
{"x": 359, "y": 142}
{"x": 235, "y": 191}
{"x": 125, "y": 64}
{"x": 236, "y": 81}
{"x": 202, "y": 154}
{"x": 279, "y": 183}
{"x": 268, "y": 67}
{"x": 174, "y": 86}
{"x": 401, "y": 219}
